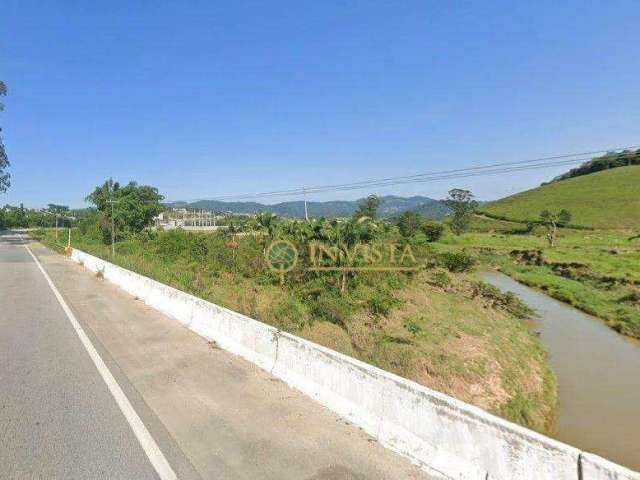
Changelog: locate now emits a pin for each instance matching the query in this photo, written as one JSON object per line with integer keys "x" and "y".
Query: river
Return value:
{"x": 598, "y": 374}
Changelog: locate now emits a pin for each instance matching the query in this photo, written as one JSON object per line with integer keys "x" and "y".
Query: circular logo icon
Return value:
{"x": 281, "y": 256}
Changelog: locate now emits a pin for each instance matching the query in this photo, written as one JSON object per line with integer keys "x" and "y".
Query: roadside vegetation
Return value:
{"x": 437, "y": 325}
{"x": 20, "y": 217}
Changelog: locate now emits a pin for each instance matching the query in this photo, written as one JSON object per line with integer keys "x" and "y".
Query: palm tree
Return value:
{"x": 346, "y": 236}
{"x": 266, "y": 222}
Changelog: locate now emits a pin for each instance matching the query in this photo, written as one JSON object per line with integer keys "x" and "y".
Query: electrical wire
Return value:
{"x": 476, "y": 171}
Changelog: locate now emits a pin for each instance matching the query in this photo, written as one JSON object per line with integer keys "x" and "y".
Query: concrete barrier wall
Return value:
{"x": 446, "y": 437}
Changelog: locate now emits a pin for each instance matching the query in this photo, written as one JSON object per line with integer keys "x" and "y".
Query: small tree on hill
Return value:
{"x": 552, "y": 221}
{"x": 462, "y": 206}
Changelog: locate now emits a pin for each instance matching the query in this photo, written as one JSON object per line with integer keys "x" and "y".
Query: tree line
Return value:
{"x": 606, "y": 162}
{"x": 20, "y": 217}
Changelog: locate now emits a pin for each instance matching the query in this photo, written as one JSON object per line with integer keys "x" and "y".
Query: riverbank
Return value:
{"x": 598, "y": 403}
{"x": 597, "y": 272}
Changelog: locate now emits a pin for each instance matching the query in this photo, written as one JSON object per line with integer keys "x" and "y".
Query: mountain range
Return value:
{"x": 390, "y": 206}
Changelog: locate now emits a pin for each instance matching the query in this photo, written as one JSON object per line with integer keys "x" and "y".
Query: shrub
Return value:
{"x": 197, "y": 247}
{"x": 457, "y": 261}
{"x": 440, "y": 279}
{"x": 96, "y": 225}
{"x": 432, "y": 230}
{"x": 507, "y": 301}
{"x": 170, "y": 244}
{"x": 333, "y": 308}
{"x": 381, "y": 302}
{"x": 290, "y": 314}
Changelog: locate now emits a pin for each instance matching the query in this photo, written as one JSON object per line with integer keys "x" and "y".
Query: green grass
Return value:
{"x": 595, "y": 271}
{"x": 604, "y": 200}
{"x": 480, "y": 223}
{"x": 437, "y": 328}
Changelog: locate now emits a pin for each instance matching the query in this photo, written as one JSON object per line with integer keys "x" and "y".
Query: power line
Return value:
{"x": 481, "y": 170}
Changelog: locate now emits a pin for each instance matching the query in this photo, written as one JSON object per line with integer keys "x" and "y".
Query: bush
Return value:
{"x": 507, "y": 301}
{"x": 197, "y": 247}
{"x": 290, "y": 314}
{"x": 440, "y": 279}
{"x": 170, "y": 244}
{"x": 457, "y": 261}
{"x": 381, "y": 302}
{"x": 97, "y": 226}
{"x": 333, "y": 308}
{"x": 432, "y": 230}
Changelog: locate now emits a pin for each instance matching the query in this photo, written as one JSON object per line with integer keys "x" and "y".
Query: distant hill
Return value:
{"x": 608, "y": 199}
{"x": 391, "y": 206}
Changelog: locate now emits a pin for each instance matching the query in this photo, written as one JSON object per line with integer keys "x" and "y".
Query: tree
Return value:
{"x": 266, "y": 222}
{"x": 432, "y": 230}
{"x": 552, "y": 221}
{"x": 368, "y": 207}
{"x": 345, "y": 236}
{"x": 409, "y": 223}
{"x": 132, "y": 206}
{"x": 5, "y": 182}
{"x": 462, "y": 206}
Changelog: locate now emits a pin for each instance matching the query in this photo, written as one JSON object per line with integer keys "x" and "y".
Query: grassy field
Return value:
{"x": 442, "y": 329}
{"x": 595, "y": 271}
{"x": 604, "y": 200}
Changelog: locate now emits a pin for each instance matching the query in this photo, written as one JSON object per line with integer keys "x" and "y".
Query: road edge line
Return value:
{"x": 146, "y": 441}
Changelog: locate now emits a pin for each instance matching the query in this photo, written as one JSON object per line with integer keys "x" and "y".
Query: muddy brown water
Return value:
{"x": 598, "y": 374}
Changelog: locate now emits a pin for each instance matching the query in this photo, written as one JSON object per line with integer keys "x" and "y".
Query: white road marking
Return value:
{"x": 148, "y": 444}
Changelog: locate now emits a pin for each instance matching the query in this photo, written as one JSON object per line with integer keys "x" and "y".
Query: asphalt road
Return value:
{"x": 58, "y": 418}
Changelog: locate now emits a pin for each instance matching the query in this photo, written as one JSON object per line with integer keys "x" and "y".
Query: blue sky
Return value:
{"x": 210, "y": 98}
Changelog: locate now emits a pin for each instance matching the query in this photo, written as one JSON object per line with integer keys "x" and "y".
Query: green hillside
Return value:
{"x": 609, "y": 199}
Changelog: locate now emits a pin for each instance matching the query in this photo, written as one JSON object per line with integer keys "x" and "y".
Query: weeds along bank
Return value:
{"x": 437, "y": 326}
{"x": 597, "y": 271}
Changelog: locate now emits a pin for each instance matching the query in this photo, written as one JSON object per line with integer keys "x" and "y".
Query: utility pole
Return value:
{"x": 306, "y": 213}
{"x": 56, "y": 214}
